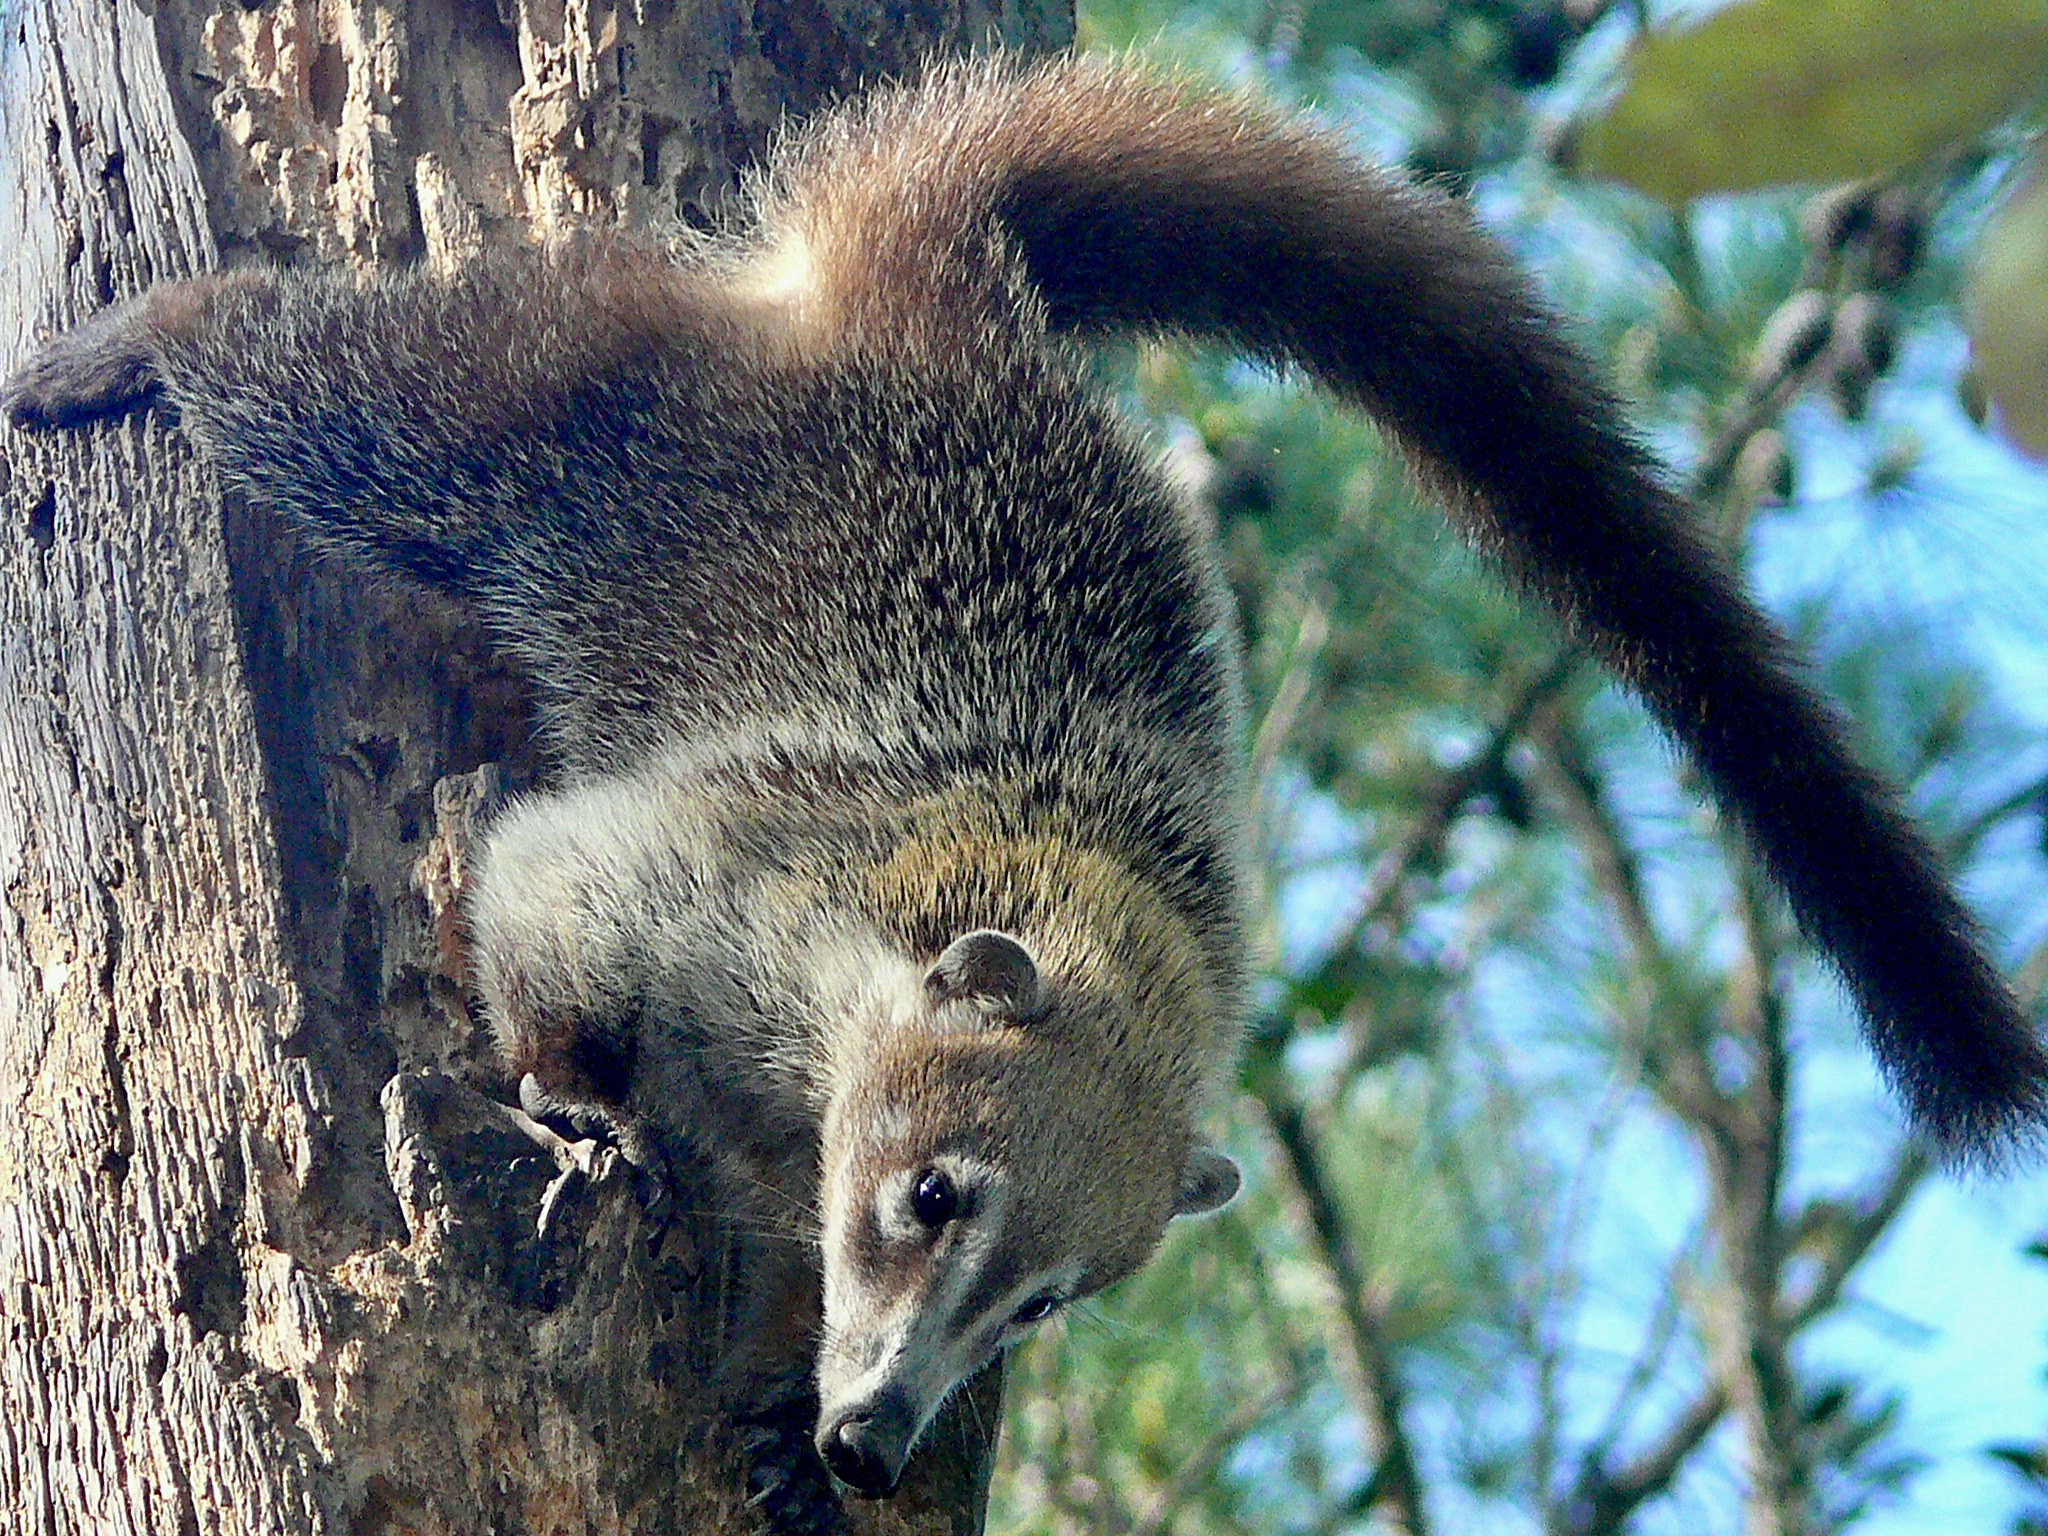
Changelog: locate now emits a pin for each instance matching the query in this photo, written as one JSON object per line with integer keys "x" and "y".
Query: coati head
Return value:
{"x": 991, "y": 1163}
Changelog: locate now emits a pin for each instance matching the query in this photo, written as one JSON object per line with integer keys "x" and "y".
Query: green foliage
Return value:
{"x": 1768, "y": 92}
{"x": 2008, "y": 311}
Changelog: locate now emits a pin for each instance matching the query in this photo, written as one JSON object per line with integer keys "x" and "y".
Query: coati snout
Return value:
{"x": 866, "y": 1445}
{"x": 986, "y": 1172}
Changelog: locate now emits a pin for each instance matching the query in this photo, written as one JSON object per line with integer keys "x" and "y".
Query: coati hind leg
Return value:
{"x": 416, "y": 422}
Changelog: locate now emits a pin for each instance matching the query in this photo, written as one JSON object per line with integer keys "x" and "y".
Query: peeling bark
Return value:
{"x": 268, "y": 1259}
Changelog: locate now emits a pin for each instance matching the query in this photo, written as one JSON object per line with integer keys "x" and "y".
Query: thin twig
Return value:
{"x": 1376, "y": 1385}
{"x": 1562, "y": 1282}
{"x": 1607, "y": 1499}
{"x": 1658, "y": 1339}
{"x": 1858, "y": 1238}
{"x": 1612, "y": 862}
{"x": 1195, "y": 1472}
{"x": 1959, "y": 844}
{"x": 1762, "y": 402}
{"x": 1390, "y": 871}
{"x": 1285, "y": 711}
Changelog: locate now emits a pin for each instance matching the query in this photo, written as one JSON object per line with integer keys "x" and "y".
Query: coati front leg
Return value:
{"x": 616, "y": 1045}
{"x": 755, "y": 1255}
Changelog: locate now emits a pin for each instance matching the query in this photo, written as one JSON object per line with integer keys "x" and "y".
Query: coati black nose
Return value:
{"x": 863, "y": 1454}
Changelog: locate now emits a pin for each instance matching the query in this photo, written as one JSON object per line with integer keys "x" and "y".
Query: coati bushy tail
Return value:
{"x": 1140, "y": 205}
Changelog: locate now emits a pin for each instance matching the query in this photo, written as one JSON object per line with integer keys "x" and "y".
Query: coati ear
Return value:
{"x": 1207, "y": 1184}
{"x": 991, "y": 970}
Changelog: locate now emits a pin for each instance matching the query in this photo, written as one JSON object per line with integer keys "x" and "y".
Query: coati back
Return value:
{"x": 896, "y": 698}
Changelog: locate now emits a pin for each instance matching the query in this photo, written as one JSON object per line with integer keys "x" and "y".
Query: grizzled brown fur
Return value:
{"x": 895, "y": 850}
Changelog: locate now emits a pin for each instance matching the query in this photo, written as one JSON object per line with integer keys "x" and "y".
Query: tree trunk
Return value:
{"x": 268, "y": 1257}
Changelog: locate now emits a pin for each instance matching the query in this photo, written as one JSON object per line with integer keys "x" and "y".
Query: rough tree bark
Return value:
{"x": 267, "y": 1256}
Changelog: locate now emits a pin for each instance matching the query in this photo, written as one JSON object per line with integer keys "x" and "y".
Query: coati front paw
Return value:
{"x": 97, "y": 369}
{"x": 584, "y": 1127}
{"x": 785, "y": 1479}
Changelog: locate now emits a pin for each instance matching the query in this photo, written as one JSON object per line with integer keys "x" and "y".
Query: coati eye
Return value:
{"x": 934, "y": 1202}
{"x": 1037, "y": 1309}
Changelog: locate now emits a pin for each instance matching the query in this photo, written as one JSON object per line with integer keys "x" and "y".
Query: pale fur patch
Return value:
{"x": 785, "y": 280}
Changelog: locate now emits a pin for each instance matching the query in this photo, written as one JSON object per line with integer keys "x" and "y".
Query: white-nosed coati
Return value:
{"x": 895, "y": 697}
